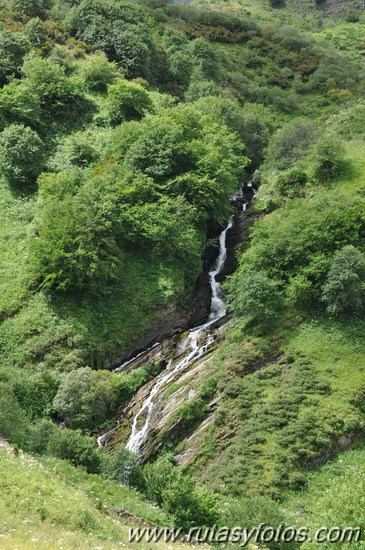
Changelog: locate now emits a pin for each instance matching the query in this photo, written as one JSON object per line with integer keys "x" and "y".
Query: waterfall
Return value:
{"x": 194, "y": 346}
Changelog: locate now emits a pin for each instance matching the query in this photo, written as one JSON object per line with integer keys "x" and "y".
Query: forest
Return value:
{"x": 125, "y": 130}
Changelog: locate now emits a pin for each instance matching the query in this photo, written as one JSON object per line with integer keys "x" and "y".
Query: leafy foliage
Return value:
{"x": 75, "y": 447}
{"x": 344, "y": 290}
{"x": 22, "y": 155}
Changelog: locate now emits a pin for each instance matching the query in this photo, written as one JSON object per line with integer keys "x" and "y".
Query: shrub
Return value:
{"x": 344, "y": 290}
{"x": 127, "y": 101}
{"x": 36, "y": 32}
{"x": 39, "y": 436}
{"x": 97, "y": 73}
{"x": 77, "y": 225}
{"x": 256, "y": 296}
{"x": 85, "y": 398}
{"x": 32, "y": 8}
{"x": 12, "y": 417}
{"x": 78, "y": 449}
{"x": 291, "y": 143}
{"x": 189, "y": 503}
{"x": 77, "y": 150}
{"x": 13, "y": 47}
{"x": 201, "y": 88}
{"x": 59, "y": 95}
{"x": 254, "y": 511}
{"x": 19, "y": 105}
{"x": 328, "y": 158}
{"x": 22, "y": 155}
{"x": 291, "y": 183}
{"x": 122, "y": 466}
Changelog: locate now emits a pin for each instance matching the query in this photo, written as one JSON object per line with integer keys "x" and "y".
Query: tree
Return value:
{"x": 13, "y": 47}
{"x": 78, "y": 222}
{"x": 127, "y": 101}
{"x": 85, "y": 398}
{"x": 36, "y": 32}
{"x": 19, "y": 105}
{"x": 97, "y": 73}
{"x": 344, "y": 290}
{"x": 22, "y": 155}
{"x": 75, "y": 447}
{"x": 122, "y": 466}
{"x": 291, "y": 143}
{"x": 13, "y": 422}
{"x": 256, "y": 296}
{"x": 328, "y": 158}
{"x": 32, "y": 8}
{"x": 59, "y": 95}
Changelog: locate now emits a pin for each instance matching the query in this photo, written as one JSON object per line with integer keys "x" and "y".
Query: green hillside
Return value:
{"x": 125, "y": 128}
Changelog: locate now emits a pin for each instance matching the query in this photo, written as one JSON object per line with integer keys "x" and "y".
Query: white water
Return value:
{"x": 195, "y": 346}
{"x": 126, "y": 363}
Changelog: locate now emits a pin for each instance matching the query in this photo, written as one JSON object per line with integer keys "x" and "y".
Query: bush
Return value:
{"x": 32, "y": 8}
{"x": 97, "y": 73}
{"x": 39, "y": 436}
{"x": 127, "y": 101}
{"x": 256, "y": 296}
{"x": 85, "y": 398}
{"x": 328, "y": 158}
{"x": 291, "y": 143}
{"x": 78, "y": 449}
{"x": 36, "y": 392}
{"x": 13, "y": 47}
{"x": 13, "y": 422}
{"x": 36, "y": 32}
{"x": 189, "y": 503}
{"x": 344, "y": 290}
{"x": 291, "y": 183}
{"x": 254, "y": 511}
{"x": 77, "y": 150}
{"x": 21, "y": 154}
{"x": 77, "y": 226}
{"x": 59, "y": 95}
{"x": 201, "y": 88}
{"x": 122, "y": 466}
{"x": 19, "y": 105}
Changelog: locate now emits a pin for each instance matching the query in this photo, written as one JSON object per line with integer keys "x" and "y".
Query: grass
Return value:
{"x": 334, "y": 496}
{"x": 67, "y": 331}
{"x": 48, "y": 503}
{"x": 275, "y": 423}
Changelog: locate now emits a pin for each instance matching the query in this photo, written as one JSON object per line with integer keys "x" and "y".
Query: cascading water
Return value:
{"x": 194, "y": 346}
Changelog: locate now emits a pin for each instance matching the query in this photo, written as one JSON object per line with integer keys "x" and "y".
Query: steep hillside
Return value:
{"x": 148, "y": 152}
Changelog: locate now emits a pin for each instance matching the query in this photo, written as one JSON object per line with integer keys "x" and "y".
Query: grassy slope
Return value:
{"x": 296, "y": 12}
{"x": 50, "y": 504}
{"x": 249, "y": 454}
{"x": 66, "y": 332}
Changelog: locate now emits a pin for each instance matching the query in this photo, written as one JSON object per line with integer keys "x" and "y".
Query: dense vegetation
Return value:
{"x": 124, "y": 130}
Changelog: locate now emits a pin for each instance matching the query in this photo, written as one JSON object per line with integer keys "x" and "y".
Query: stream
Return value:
{"x": 193, "y": 347}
